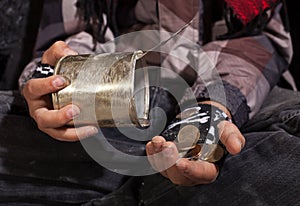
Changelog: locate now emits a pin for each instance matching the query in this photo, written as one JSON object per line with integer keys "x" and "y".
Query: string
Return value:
{"x": 168, "y": 39}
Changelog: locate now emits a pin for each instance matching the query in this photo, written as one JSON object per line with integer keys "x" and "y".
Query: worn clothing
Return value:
{"x": 266, "y": 172}
{"x": 38, "y": 170}
{"x": 238, "y": 72}
{"x": 247, "y": 67}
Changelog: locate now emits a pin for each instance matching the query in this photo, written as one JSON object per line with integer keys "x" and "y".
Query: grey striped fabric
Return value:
{"x": 243, "y": 71}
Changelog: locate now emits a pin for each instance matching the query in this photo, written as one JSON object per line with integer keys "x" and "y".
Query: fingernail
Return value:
{"x": 73, "y": 112}
{"x": 59, "y": 82}
{"x": 157, "y": 142}
{"x": 237, "y": 141}
{"x": 90, "y": 131}
{"x": 242, "y": 145}
{"x": 157, "y": 145}
{"x": 68, "y": 51}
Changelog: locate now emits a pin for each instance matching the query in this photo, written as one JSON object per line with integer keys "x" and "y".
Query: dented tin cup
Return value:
{"x": 111, "y": 89}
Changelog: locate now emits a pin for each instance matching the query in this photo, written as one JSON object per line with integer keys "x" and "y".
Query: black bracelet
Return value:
{"x": 43, "y": 70}
{"x": 196, "y": 135}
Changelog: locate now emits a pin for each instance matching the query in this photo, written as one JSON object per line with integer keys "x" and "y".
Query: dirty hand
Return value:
{"x": 36, "y": 92}
{"x": 164, "y": 157}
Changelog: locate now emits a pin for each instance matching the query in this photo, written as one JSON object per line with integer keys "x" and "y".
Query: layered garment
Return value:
{"x": 238, "y": 70}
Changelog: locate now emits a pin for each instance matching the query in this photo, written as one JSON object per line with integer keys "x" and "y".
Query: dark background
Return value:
{"x": 294, "y": 19}
{"x": 19, "y": 20}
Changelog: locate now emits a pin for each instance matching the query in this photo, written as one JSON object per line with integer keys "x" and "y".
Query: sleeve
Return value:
{"x": 59, "y": 20}
{"x": 27, "y": 73}
{"x": 247, "y": 67}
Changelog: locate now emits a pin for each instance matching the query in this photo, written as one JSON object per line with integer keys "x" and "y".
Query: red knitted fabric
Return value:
{"x": 247, "y": 10}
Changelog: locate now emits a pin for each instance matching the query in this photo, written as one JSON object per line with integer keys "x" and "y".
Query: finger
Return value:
{"x": 43, "y": 102}
{"x": 172, "y": 172}
{"x": 57, "y": 51}
{"x": 231, "y": 137}
{"x": 196, "y": 172}
{"x": 35, "y": 88}
{"x": 170, "y": 157}
{"x": 156, "y": 156}
{"x": 157, "y": 143}
{"x": 150, "y": 152}
{"x": 55, "y": 118}
{"x": 72, "y": 134}
{"x": 154, "y": 153}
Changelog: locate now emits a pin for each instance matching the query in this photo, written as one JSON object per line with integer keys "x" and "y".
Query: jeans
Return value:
{"x": 38, "y": 170}
{"x": 266, "y": 172}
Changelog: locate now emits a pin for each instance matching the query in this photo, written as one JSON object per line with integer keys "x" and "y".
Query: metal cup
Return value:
{"x": 109, "y": 89}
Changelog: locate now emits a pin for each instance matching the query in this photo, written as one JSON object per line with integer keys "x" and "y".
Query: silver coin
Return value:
{"x": 188, "y": 137}
{"x": 211, "y": 152}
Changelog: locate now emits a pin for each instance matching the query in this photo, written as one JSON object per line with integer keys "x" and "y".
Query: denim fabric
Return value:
{"x": 37, "y": 170}
{"x": 266, "y": 172}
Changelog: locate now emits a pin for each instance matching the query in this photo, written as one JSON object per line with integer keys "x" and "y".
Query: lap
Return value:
{"x": 266, "y": 172}
{"x": 34, "y": 168}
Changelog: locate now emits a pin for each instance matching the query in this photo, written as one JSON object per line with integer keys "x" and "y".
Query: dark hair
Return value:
{"x": 92, "y": 13}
